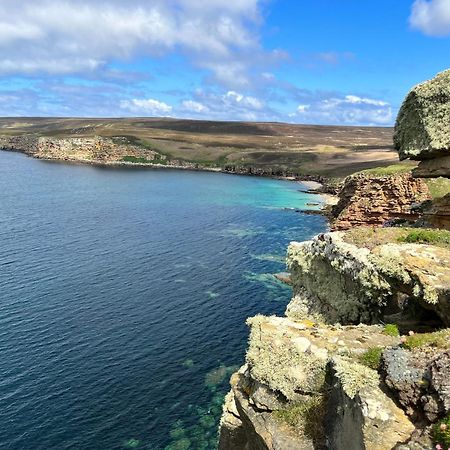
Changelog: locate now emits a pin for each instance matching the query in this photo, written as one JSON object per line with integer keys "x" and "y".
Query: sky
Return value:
{"x": 347, "y": 62}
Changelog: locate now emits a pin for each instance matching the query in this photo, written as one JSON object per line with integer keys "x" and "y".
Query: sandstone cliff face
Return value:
{"x": 309, "y": 381}
{"x": 369, "y": 200}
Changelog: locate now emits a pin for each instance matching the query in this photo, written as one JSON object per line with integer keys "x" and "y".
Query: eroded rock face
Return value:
{"x": 433, "y": 168}
{"x": 422, "y": 130}
{"x": 303, "y": 388}
{"x": 335, "y": 281}
{"x": 419, "y": 379}
{"x": 359, "y": 414}
{"x": 369, "y": 200}
{"x": 94, "y": 149}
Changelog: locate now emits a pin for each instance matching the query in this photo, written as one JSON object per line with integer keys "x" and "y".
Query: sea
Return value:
{"x": 123, "y": 298}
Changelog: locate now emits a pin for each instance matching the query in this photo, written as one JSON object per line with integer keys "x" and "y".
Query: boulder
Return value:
{"x": 422, "y": 129}
{"x": 433, "y": 168}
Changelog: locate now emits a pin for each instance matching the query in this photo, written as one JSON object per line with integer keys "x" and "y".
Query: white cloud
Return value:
{"x": 195, "y": 107}
{"x": 303, "y": 108}
{"x": 236, "y": 99}
{"x": 148, "y": 106}
{"x": 345, "y": 110}
{"x": 72, "y": 36}
{"x": 432, "y": 17}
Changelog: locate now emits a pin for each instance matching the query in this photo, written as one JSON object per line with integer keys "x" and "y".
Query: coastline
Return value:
{"x": 314, "y": 187}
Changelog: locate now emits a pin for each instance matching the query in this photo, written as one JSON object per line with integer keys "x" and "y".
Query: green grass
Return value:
{"x": 136, "y": 160}
{"x": 441, "y": 432}
{"x": 438, "y": 339}
{"x": 372, "y": 357}
{"x": 393, "y": 169}
{"x": 438, "y": 187}
{"x": 306, "y": 417}
{"x": 422, "y": 236}
{"x": 391, "y": 329}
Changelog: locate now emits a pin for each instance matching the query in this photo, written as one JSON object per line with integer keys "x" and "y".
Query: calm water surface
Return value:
{"x": 123, "y": 299}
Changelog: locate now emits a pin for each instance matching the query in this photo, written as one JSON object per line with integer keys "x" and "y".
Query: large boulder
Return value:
{"x": 422, "y": 130}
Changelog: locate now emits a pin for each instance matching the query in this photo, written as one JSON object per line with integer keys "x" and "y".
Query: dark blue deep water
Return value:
{"x": 123, "y": 299}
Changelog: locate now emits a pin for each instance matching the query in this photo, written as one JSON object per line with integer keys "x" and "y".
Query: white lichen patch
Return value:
{"x": 354, "y": 377}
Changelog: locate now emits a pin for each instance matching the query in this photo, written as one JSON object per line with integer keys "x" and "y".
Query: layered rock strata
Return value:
{"x": 368, "y": 200}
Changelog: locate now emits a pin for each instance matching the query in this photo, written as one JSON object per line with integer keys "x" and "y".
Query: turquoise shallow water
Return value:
{"x": 124, "y": 294}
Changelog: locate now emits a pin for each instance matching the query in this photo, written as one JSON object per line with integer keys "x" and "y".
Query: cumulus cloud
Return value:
{"x": 77, "y": 36}
{"x": 345, "y": 110}
{"x": 231, "y": 105}
{"x": 146, "y": 107}
{"x": 239, "y": 100}
{"x": 432, "y": 17}
{"x": 194, "y": 107}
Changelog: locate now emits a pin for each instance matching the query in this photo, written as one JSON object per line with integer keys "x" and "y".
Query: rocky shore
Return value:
{"x": 362, "y": 356}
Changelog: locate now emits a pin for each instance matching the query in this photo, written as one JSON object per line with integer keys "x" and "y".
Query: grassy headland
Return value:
{"x": 329, "y": 151}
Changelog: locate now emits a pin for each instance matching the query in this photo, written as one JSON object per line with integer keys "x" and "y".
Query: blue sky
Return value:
{"x": 347, "y": 62}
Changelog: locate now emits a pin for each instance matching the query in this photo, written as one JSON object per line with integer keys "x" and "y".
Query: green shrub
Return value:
{"x": 307, "y": 416}
{"x": 439, "y": 339}
{"x": 372, "y": 357}
{"x": 441, "y": 433}
{"x": 134, "y": 159}
{"x": 391, "y": 329}
{"x": 422, "y": 236}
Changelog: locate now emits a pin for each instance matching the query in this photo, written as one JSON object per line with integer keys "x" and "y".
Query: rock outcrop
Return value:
{"x": 373, "y": 200}
{"x": 303, "y": 387}
{"x": 328, "y": 376}
{"x": 422, "y": 130}
{"x": 95, "y": 149}
{"x": 337, "y": 278}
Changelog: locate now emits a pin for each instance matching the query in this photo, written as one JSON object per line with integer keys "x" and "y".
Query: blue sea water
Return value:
{"x": 123, "y": 299}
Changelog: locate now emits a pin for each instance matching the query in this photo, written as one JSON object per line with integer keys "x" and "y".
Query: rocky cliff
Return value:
{"x": 92, "y": 150}
{"x": 422, "y": 132}
{"x": 313, "y": 380}
{"x": 362, "y": 357}
{"x": 366, "y": 199}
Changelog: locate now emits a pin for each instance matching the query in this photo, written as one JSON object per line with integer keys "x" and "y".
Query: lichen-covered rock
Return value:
{"x": 372, "y": 200}
{"x": 422, "y": 130}
{"x": 419, "y": 380}
{"x": 232, "y": 432}
{"x": 280, "y": 394}
{"x": 404, "y": 373}
{"x": 335, "y": 281}
{"x": 359, "y": 414}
